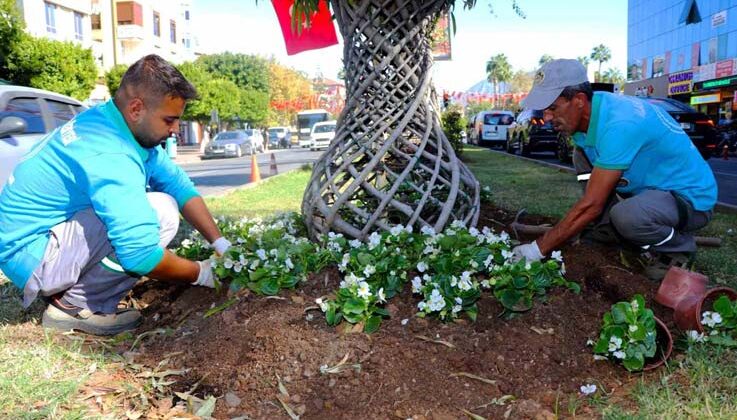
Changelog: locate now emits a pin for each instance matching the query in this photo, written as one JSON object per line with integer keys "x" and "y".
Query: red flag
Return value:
{"x": 320, "y": 33}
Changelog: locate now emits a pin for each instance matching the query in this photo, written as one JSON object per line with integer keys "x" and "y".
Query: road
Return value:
{"x": 219, "y": 176}
{"x": 725, "y": 171}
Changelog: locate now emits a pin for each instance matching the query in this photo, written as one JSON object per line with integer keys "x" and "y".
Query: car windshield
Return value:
{"x": 493, "y": 119}
{"x": 324, "y": 128}
{"x": 250, "y": 132}
{"x": 227, "y": 135}
{"x": 670, "y": 106}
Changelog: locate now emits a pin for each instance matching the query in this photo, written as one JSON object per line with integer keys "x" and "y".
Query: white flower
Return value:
{"x": 422, "y": 305}
{"x": 380, "y": 296}
{"x": 240, "y": 240}
{"x": 474, "y": 232}
{"x": 711, "y": 319}
{"x": 350, "y": 280}
{"x": 589, "y": 342}
{"x": 507, "y": 254}
{"x": 633, "y": 328}
{"x": 421, "y": 266}
{"x": 405, "y": 321}
{"x": 237, "y": 266}
{"x": 562, "y": 269}
{"x": 416, "y": 285}
{"x": 465, "y": 282}
{"x": 374, "y": 240}
{"x": 261, "y": 254}
{"x": 588, "y": 389}
{"x": 485, "y": 284}
{"x": 437, "y": 301}
{"x": 453, "y": 281}
{"x": 427, "y": 230}
{"x": 288, "y": 262}
{"x": 619, "y": 354}
{"x": 186, "y": 243}
{"x": 489, "y": 260}
{"x": 255, "y": 264}
{"x": 615, "y": 343}
{"x": 228, "y": 263}
{"x": 598, "y": 357}
{"x": 450, "y": 232}
{"x": 355, "y": 243}
{"x": 456, "y": 309}
{"x": 363, "y": 290}
{"x": 504, "y": 236}
{"x": 695, "y": 336}
{"x": 458, "y": 300}
{"x": 557, "y": 256}
{"x": 322, "y": 303}
{"x": 369, "y": 270}
{"x": 528, "y": 265}
{"x": 396, "y": 230}
{"x": 458, "y": 224}
{"x": 635, "y": 306}
{"x": 274, "y": 252}
{"x": 428, "y": 249}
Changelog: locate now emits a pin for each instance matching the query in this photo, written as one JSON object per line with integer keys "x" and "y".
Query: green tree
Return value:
{"x": 246, "y": 71}
{"x": 613, "y": 75}
{"x": 546, "y": 58}
{"x": 601, "y": 53}
{"x": 521, "y": 81}
{"x": 114, "y": 76}
{"x": 254, "y": 107}
{"x": 214, "y": 94}
{"x": 498, "y": 70}
{"x": 62, "y": 67}
{"x": 11, "y": 32}
{"x": 454, "y": 123}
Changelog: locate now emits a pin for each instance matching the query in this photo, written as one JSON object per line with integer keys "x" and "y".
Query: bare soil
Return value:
{"x": 533, "y": 364}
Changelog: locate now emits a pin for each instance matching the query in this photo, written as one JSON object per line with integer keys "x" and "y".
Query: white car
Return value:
{"x": 322, "y": 134}
{"x": 26, "y": 116}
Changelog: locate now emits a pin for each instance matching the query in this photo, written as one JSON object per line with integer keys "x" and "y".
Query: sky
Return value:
{"x": 561, "y": 28}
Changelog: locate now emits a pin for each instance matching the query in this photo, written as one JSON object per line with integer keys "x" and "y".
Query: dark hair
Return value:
{"x": 570, "y": 91}
{"x": 155, "y": 78}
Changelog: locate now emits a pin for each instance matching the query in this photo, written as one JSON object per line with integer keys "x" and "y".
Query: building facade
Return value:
{"x": 684, "y": 49}
{"x": 61, "y": 20}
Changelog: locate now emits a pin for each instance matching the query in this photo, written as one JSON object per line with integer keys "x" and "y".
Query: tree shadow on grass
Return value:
{"x": 11, "y": 305}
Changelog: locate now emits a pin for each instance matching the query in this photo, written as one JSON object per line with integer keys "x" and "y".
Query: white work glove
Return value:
{"x": 221, "y": 245}
{"x": 206, "y": 277}
{"x": 531, "y": 252}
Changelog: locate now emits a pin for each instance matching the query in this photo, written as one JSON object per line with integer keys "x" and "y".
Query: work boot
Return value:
{"x": 603, "y": 233}
{"x": 658, "y": 263}
{"x": 60, "y": 315}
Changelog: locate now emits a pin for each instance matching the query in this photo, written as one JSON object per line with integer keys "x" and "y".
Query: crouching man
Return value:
{"x": 93, "y": 206}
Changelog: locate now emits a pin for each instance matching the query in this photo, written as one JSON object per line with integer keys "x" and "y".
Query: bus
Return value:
{"x": 305, "y": 120}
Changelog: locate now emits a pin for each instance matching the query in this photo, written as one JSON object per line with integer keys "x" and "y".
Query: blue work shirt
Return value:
{"x": 92, "y": 161}
{"x": 649, "y": 147}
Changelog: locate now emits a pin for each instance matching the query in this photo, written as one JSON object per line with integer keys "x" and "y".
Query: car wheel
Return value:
{"x": 524, "y": 150}
{"x": 508, "y": 146}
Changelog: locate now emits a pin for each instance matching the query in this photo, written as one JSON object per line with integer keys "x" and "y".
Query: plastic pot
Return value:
{"x": 687, "y": 315}
{"x": 664, "y": 342}
{"x": 679, "y": 284}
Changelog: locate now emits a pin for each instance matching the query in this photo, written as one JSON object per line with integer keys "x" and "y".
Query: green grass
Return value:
{"x": 280, "y": 193}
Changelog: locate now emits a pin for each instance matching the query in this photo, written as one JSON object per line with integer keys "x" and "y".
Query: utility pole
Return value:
{"x": 114, "y": 26}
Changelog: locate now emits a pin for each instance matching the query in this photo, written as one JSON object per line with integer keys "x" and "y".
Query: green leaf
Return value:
{"x": 602, "y": 346}
{"x": 640, "y": 333}
{"x": 724, "y": 306}
{"x": 634, "y": 363}
{"x": 365, "y": 259}
{"x": 269, "y": 287}
{"x": 640, "y": 304}
{"x": 330, "y": 315}
{"x": 354, "y": 306}
{"x": 372, "y": 324}
{"x": 722, "y": 340}
{"x": 472, "y": 312}
{"x": 381, "y": 311}
{"x": 619, "y": 312}
{"x": 521, "y": 282}
{"x": 509, "y": 298}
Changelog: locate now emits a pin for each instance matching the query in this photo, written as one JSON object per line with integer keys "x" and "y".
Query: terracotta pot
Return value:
{"x": 664, "y": 346}
{"x": 679, "y": 284}
{"x": 687, "y": 315}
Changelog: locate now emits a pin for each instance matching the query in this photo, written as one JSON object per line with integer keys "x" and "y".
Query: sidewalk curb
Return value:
{"x": 720, "y": 207}
{"x": 251, "y": 185}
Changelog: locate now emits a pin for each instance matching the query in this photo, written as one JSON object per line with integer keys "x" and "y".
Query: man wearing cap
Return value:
{"x": 647, "y": 180}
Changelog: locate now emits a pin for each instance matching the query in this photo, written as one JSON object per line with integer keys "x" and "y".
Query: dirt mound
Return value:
{"x": 529, "y": 366}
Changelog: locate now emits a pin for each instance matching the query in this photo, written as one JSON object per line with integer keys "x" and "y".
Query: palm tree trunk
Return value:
{"x": 390, "y": 162}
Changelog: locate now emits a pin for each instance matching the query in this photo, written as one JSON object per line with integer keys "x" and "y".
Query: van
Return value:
{"x": 490, "y": 127}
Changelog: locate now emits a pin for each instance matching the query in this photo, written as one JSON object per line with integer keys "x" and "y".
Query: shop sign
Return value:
{"x": 718, "y": 19}
{"x": 679, "y": 83}
{"x": 706, "y": 99}
{"x": 724, "y": 68}
{"x": 706, "y": 72}
{"x": 718, "y": 83}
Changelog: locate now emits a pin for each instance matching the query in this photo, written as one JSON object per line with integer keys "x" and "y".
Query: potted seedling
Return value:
{"x": 632, "y": 335}
{"x": 689, "y": 313}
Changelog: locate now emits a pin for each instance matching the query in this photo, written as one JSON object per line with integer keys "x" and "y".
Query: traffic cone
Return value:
{"x": 272, "y": 168}
{"x": 255, "y": 174}
{"x": 725, "y": 152}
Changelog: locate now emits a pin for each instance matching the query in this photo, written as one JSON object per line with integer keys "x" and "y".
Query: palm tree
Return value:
{"x": 498, "y": 70}
{"x": 602, "y": 54}
{"x": 585, "y": 60}
{"x": 545, "y": 59}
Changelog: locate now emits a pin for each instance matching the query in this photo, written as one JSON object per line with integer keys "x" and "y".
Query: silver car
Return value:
{"x": 235, "y": 144}
{"x": 26, "y": 116}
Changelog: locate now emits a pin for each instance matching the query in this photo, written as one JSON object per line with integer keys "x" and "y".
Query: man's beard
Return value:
{"x": 147, "y": 142}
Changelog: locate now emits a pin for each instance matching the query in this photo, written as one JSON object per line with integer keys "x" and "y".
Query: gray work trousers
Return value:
{"x": 651, "y": 219}
{"x": 80, "y": 260}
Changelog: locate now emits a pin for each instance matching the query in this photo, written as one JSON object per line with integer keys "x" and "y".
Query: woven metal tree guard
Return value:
{"x": 390, "y": 162}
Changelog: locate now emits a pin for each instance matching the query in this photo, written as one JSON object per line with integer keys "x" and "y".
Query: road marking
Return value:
{"x": 725, "y": 174}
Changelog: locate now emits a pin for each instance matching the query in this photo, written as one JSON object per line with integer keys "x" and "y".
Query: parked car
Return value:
{"x": 322, "y": 134}
{"x": 235, "y": 144}
{"x": 530, "y": 133}
{"x": 490, "y": 128}
{"x": 279, "y": 137}
{"x": 697, "y": 125}
{"x": 26, "y": 115}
